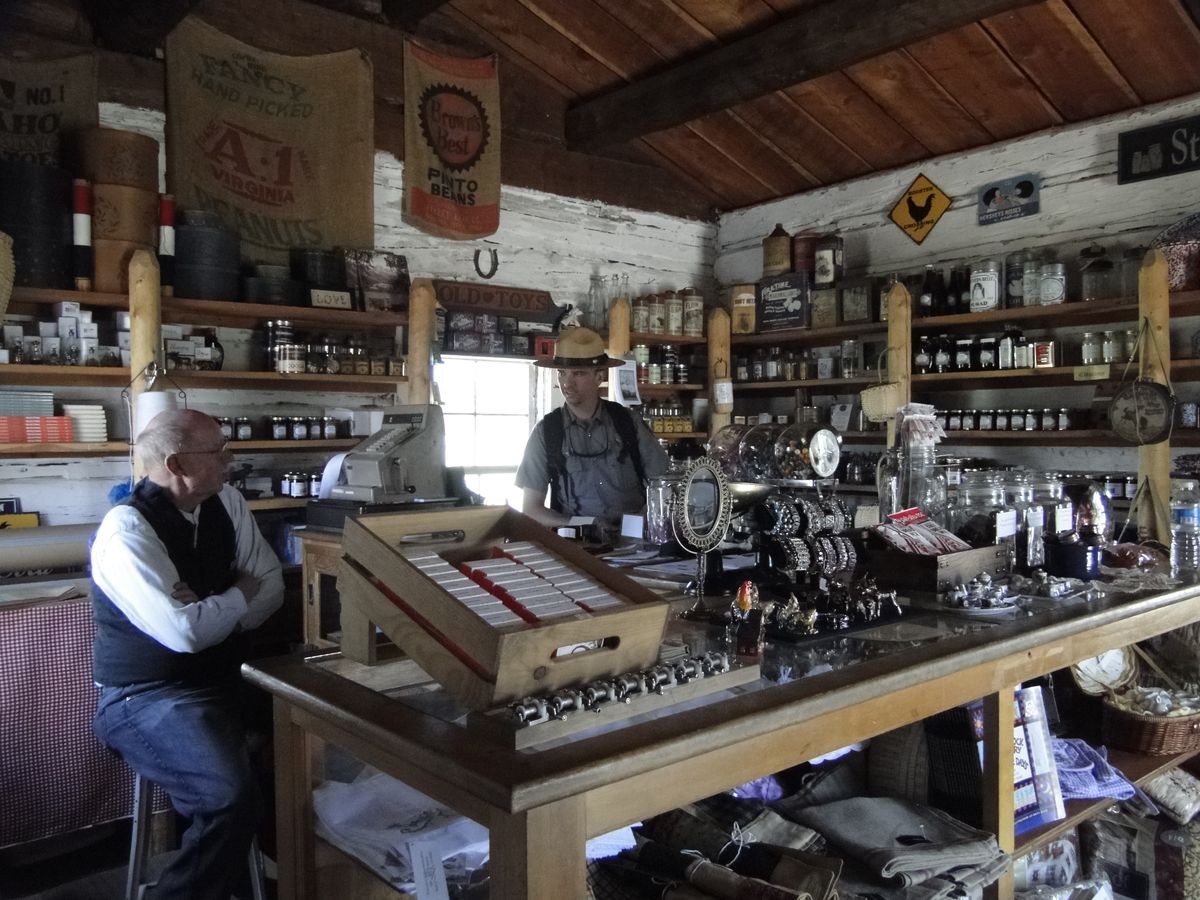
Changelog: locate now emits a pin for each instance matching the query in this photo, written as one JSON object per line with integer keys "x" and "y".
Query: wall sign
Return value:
{"x": 526, "y": 304}
{"x": 919, "y": 208}
{"x": 1158, "y": 150}
{"x": 1012, "y": 198}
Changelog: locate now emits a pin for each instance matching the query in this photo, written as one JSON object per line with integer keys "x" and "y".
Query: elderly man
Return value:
{"x": 180, "y": 573}
{"x": 593, "y": 455}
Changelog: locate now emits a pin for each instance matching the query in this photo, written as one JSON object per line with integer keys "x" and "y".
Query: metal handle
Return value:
{"x": 456, "y": 536}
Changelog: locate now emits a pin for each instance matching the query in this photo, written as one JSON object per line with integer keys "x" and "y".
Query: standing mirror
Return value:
{"x": 703, "y": 507}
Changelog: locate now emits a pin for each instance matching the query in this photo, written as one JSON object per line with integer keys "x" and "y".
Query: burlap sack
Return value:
{"x": 282, "y": 148}
{"x": 42, "y": 100}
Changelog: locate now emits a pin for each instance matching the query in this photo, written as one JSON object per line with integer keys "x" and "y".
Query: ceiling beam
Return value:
{"x": 815, "y": 41}
{"x": 135, "y": 26}
{"x": 408, "y": 14}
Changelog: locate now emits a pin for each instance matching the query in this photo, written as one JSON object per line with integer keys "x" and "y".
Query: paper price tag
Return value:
{"x": 428, "y": 873}
{"x": 1097, "y": 372}
{"x": 1006, "y": 524}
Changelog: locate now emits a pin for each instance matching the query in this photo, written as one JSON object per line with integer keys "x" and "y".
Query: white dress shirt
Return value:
{"x": 130, "y": 564}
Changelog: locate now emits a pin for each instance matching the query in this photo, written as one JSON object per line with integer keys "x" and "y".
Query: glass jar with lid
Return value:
{"x": 1096, "y": 274}
{"x": 723, "y": 446}
{"x": 1049, "y": 420}
{"x": 986, "y": 285}
{"x": 1000, "y": 421}
{"x": 986, "y": 353}
{"x": 279, "y": 428}
{"x": 954, "y": 420}
{"x": 1053, "y": 283}
{"x": 1129, "y": 343}
{"x": 1111, "y": 347}
{"x": 1031, "y": 519}
{"x": 964, "y": 351}
{"x": 1131, "y": 266}
{"x": 298, "y": 428}
{"x": 226, "y": 424}
{"x": 1016, "y": 420}
{"x": 969, "y": 419}
{"x": 242, "y": 429}
{"x": 982, "y": 515}
{"x": 1090, "y": 349}
{"x": 756, "y": 452}
{"x": 1033, "y": 421}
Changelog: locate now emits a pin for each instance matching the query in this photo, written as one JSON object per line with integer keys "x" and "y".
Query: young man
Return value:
{"x": 180, "y": 572}
{"x": 593, "y": 455}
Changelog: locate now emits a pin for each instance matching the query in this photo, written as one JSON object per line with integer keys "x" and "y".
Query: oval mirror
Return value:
{"x": 703, "y": 506}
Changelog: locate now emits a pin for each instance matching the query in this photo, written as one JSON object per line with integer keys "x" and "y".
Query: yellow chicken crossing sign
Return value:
{"x": 919, "y": 208}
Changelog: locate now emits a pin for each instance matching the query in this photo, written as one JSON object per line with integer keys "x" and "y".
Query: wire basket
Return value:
{"x": 880, "y": 401}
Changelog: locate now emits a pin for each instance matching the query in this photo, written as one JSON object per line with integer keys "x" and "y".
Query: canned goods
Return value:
{"x": 1187, "y": 414}
{"x": 1053, "y": 284}
{"x": 279, "y": 428}
{"x": 242, "y": 428}
{"x": 299, "y": 428}
{"x": 693, "y": 314}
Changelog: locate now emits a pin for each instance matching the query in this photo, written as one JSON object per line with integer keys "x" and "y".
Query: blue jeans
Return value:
{"x": 192, "y": 742}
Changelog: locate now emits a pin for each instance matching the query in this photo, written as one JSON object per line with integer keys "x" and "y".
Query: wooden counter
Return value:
{"x": 542, "y": 805}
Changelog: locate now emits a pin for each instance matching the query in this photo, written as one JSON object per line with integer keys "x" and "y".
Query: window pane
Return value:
{"x": 456, "y": 382}
{"x": 460, "y": 440}
{"x": 500, "y": 440}
{"x": 502, "y": 386}
{"x": 497, "y": 488}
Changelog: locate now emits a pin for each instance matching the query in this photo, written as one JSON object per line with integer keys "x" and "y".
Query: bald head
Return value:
{"x": 169, "y": 432}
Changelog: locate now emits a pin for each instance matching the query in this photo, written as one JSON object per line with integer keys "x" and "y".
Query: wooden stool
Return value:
{"x": 143, "y": 802}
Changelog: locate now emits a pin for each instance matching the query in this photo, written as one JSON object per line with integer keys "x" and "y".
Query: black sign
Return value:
{"x": 1158, "y": 150}
{"x": 783, "y": 302}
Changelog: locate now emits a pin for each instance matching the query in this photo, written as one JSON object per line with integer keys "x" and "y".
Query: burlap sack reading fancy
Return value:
{"x": 282, "y": 148}
{"x": 451, "y": 143}
{"x": 40, "y": 101}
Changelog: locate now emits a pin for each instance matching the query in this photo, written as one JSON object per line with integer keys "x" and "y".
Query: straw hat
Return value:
{"x": 579, "y": 348}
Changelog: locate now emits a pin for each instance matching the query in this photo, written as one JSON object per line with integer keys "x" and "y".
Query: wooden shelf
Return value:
{"x": 69, "y": 376}
{"x": 77, "y": 448}
{"x": 655, "y": 340}
{"x": 278, "y": 503}
{"x": 682, "y": 436}
{"x": 293, "y": 446}
{"x": 1081, "y": 437}
{"x": 371, "y": 384}
{"x": 1134, "y": 766}
{"x": 221, "y": 312}
{"x": 828, "y": 383}
{"x": 864, "y": 437}
{"x": 665, "y": 390}
{"x": 812, "y": 336}
{"x": 1097, "y": 312}
{"x": 1058, "y": 376}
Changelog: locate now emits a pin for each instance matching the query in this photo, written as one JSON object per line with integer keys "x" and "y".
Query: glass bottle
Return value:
{"x": 758, "y": 365}
{"x": 922, "y": 355}
{"x": 954, "y": 291}
{"x": 773, "y": 370}
{"x": 927, "y": 299}
{"x": 789, "y": 366}
{"x": 804, "y": 366}
{"x": 922, "y": 483}
{"x": 943, "y": 354}
{"x": 1111, "y": 346}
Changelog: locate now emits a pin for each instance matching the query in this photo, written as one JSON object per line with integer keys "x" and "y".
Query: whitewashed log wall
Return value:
{"x": 1081, "y": 202}
{"x": 545, "y": 241}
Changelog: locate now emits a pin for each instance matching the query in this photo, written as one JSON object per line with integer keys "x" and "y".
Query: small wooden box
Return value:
{"x": 481, "y": 665}
{"x": 859, "y": 300}
{"x": 936, "y": 574}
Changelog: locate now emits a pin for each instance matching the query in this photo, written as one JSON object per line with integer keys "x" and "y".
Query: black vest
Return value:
{"x": 123, "y": 654}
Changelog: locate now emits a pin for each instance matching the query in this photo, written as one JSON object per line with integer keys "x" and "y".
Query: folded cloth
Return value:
{"x": 960, "y": 884}
{"x": 1084, "y": 772}
{"x": 899, "y": 839}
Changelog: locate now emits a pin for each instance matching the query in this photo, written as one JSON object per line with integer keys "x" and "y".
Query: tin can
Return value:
{"x": 1187, "y": 414}
{"x": 639, "y": 316}
{"x": 673, "y": 304}
{"x": 985, "y": 285}
{"x": 693, "y": 314}
{"x": 1044, "y": 355}
{"x": 1053, "y": 284}
{"x": 656, "y": 320}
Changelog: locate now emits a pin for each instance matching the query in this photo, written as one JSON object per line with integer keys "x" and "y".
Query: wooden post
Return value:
{"x": 720, "y": 365}
{"x": 618, "y": 339}
{"x": 1154, "y": 460}
{"x": 422, "y": 304}
{"x": 293, "y": 806}
{"x": 999, "y": 778}
{"x": 539, "y": 854}
{"x": 145, "y": 329}
{"x": 899, "y": 348}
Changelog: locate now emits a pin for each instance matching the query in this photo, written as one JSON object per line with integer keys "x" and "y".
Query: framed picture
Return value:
{"x": 859, "y": 296}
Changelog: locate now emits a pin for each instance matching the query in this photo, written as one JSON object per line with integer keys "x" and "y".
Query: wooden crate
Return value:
{"x": 481, "y": 665}
{"x": 937, "y": 574}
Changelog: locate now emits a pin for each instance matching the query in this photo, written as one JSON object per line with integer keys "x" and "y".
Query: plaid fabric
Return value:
{"x": 55, "y": 777}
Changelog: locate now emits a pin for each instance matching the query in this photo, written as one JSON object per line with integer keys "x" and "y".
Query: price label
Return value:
{"x": 1064, "y": 517}
{"x": 1097, "y": 372}
{"x": 428, "y": 873}
{"x": 1006, "y": 524}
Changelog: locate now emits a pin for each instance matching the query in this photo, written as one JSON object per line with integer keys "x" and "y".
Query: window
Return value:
{"x": 490, "y": 406}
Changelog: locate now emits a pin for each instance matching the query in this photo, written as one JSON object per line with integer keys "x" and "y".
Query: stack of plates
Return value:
{"x": 88, "y": 421}
{"x": 26, "y": 403}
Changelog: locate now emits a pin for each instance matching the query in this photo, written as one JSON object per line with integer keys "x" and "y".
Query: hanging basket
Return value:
{"x": 880, "y": 401}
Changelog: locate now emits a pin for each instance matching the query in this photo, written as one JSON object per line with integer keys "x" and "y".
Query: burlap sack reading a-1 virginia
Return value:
{"x": 281, "y": 147}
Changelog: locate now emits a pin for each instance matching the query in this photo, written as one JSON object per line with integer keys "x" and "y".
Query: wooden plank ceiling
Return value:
{"x": 744, "y": 101}
{"x": 1030, "y": 66}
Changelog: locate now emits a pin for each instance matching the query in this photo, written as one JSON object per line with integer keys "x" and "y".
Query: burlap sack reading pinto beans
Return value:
{"x": 282, "y": 148}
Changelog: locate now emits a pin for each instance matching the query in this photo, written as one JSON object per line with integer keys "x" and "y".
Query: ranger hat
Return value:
{"x": 579, "y": 348}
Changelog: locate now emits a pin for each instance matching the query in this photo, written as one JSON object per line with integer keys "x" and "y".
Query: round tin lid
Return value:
{"x": 1110, "y": 671}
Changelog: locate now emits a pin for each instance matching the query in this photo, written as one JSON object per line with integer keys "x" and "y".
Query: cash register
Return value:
{"x": 401, "y": 466}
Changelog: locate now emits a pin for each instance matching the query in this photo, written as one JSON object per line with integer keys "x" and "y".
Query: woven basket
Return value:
{"x": 880, "y": 401}
{"x": 1152, "y": 735}
{"x": 7, "y": 271}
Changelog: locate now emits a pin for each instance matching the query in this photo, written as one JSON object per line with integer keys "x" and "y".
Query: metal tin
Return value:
{"x": 656, "y": 321}
{"x": 1053, "y": 283}
{"x": 985, "y": 285}
{"x": 674, "y": 310}
{"x": 693, "y": 314}
{"x": 1044, "y": 355}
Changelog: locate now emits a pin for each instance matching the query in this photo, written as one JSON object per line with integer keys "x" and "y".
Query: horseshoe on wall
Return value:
{"x": 495, "y": 257}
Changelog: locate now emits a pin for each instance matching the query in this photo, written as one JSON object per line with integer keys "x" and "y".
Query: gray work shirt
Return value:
{"x": 599, "y": 485}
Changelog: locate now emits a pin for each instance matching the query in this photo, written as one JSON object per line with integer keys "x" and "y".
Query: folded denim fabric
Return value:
{"x": 899, "y": 839}
{"x": 772, "y": 828}
{"x": 725, "y": 884}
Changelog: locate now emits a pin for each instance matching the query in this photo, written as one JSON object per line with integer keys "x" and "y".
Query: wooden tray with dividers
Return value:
{"x": 444, "y": 586}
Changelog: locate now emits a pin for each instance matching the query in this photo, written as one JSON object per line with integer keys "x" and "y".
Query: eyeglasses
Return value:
{"x": 576, "y": 435}
{"x": 222, "y": 449}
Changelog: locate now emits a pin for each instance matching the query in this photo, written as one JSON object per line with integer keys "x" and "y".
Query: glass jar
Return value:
{"x": 329, "y": 428}
{"x": 723, "y": 447}
{"x": 756, "y": 452}
{"x": 290, "y": 358}
{"x": 298, "y": 428}
{"x": 954, "y": 420}
{"x": 1016, "y": 420}
{"x": 1096, "y": 274}
{"x": 279, "y": 428}
{"x": 1031, "y": 518}
{"x": 983, "y": 515}
{"x": 1049, "y": 420}
{"x": 986, "y": 354}
{"x": 985, "y": 285}
{"x": 922, "y": 483}
{"x": 964, "y": 351}
{"x": 1090, "y": 349}
{"x": 1032, "y": 420}
{"x": 1129, "y": 343}
{"x": 849, "y": 358}
{"x": 242, "y": 429}
{"x": 1065, "y": 420}
{"x": 1014, "y": 279}
{"x": 922, "y": 355}
{"x": 969, "y": 420}
{"x": 943, "y": 353}
{"x": 1000, "y": 421}
{"x": 1110, "y": 348}
{"x": 314, "y": 360}
{"x": 1031, "y": 280}
{"x": 226, "y": 425}
{"x": 987, "y": 420}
